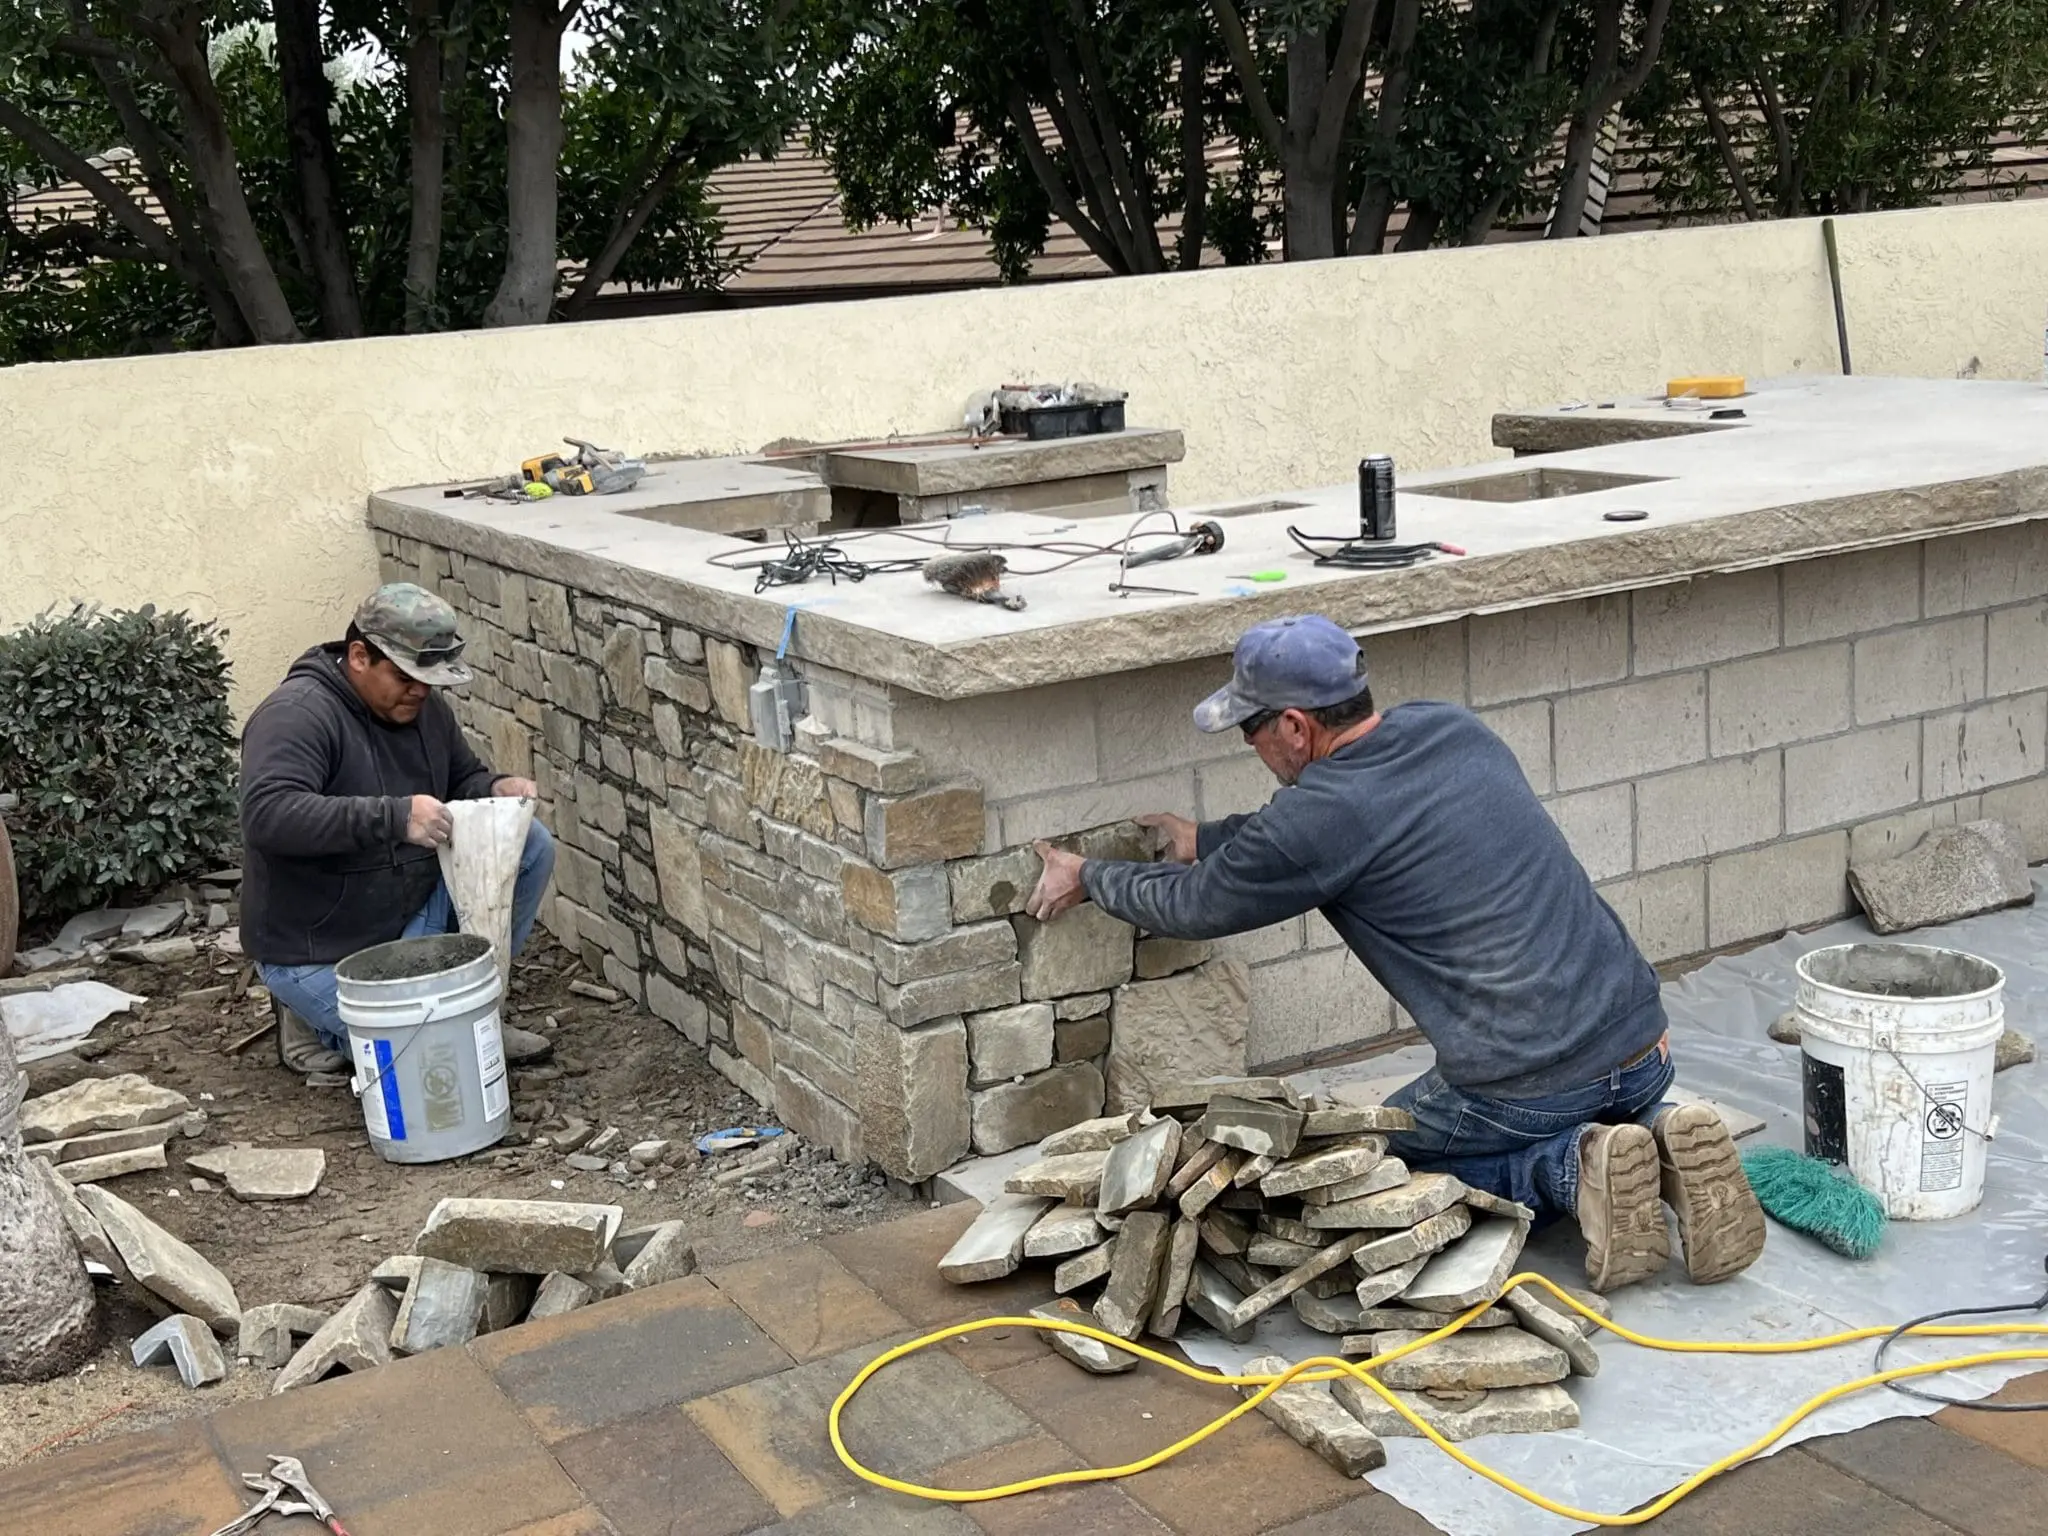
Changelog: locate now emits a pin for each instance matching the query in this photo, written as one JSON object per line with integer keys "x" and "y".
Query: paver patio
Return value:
{"x": 698, "y": 1409}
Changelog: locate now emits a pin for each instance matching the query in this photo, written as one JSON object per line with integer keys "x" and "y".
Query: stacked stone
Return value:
{"x": 1227, "y": 1197}
{"x": 826, "y": 923}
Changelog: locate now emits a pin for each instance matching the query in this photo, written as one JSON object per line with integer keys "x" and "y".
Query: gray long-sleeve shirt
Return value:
{"x": 1424, "y": 846}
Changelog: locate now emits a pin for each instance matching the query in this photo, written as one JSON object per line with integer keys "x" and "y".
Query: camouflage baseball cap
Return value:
{"x": 417, "y": 631}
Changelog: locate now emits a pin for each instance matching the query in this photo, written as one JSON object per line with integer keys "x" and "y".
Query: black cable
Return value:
{"x": 1975, "y": 1405}
{"x": 1360, "y": 555}
{"x": 804, "y": 558}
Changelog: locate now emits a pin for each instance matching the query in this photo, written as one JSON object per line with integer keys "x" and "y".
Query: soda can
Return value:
{"x": 1376, "y": 497}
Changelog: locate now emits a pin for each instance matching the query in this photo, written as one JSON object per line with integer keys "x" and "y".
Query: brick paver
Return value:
{"x": 698, "y": 1409}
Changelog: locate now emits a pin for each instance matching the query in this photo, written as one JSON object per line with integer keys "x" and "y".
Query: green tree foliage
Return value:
{"x": 116, "y": 737}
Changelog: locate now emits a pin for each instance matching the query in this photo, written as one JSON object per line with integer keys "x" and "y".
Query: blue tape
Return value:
{"x": 394, "y": 1112}
{"x": 788, "y": 630}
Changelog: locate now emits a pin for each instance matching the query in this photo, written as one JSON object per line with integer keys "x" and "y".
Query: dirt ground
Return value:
{"x": 614, "y": 1065}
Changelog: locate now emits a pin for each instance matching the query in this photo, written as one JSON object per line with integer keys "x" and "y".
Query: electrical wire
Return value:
{"x": 1365, "y": 555}
{"x": 2037, "y": 1405}
{"x": 1329, "y": 1368}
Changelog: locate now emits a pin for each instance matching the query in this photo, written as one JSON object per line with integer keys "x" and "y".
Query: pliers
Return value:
{"x": 287, "y": 1474}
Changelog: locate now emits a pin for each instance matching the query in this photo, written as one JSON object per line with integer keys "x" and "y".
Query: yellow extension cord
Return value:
{"x": 1329, "y": 1367}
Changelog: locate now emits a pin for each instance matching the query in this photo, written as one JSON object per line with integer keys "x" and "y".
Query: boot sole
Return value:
{"x": 1633, "y": 1243}
{"x": 1720, "y": 1224}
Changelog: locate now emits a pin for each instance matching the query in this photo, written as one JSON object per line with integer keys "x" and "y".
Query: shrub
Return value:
{"x": 115, "y": 734}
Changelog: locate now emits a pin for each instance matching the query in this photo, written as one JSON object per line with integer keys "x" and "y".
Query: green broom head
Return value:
{"x": 1813, "y": 1197}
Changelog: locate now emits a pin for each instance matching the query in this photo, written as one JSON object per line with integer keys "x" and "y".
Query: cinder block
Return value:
{"x": 1665, "y": 911}
{"x": 2024, "y": 805}
{"x": 2016, "y": 650}
{"x": 1096, "y": 805}
{"x": 1610, "y": 734}
{"x": 1994, "y": 743}
{"x": 1233, "y": 786}
{"x": 1536, "y": 651}
{"x": 1916, "y": 671}
{"x": 1784, "y": 696}
{"x": 1987, "y": 569}
{"x": 1526, "y": 730}
{"x": 1408, "y": 664}
{"x": 1851, "y": 594}
{"x": 1693, "y": 623}
{"x": 1763, "y": 892}
{"x": 1263, "y": 944}
{"x": 1730, "y": 803}
{"x": 1310, "y": 1003}
{"x": 1600, "y": 825}
{"x": 1011, "y": 744}
{"x": 1849, "y": 778}
{"x": 1144, "y": 720}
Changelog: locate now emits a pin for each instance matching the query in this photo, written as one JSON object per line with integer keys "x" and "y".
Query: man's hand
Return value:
{"x": 1180, "y": 835}
{"x": 429, "y": 825}
{"x": 1059, "y": 887}
{"x": 510, "y": 789}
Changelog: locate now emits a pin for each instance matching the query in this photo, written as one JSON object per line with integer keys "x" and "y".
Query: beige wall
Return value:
{"x": 233, "y": 483}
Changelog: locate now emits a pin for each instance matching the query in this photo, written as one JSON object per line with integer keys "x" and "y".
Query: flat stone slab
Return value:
{"x": 1257, "y": 1126}
{"x": 1092, "y": 1135}
{"x": 1200, "y": 1092}
{"x": 397, "y": 1271}
{"x": 100, "y": 1104}
{"x": 1510, "y": 1411}
{"x": 506, "y": 1301}
{"x": 1328, "y": 1314}
{"x": 1423, "y": 1196}
{"x": 1092, "y": 1355}
{"x": 444, "y": 1305}
{"x": 1278, "y": 1252}
{"x": 1952, "y": 873}
{"x": 75, "y": 1148}
{"x": 1351, "y": 1119}
{"x": 1494, "y": 1205}
{"x": 993, "y": 1245}
{"x": 1218, "y": 1177}
{"x": 1126, "y": 1302}
{"x": 1313, "y": 1419}
{"x": 1084, "y": 1268}
{"x": 1419, "y": 1241}
{"x": 559, "y": 1293}
{"x": 1175, "y": 1270}
{"x": 264, "y": 1173}
{"x": 1387, "y": 1173}
{"x": 357, "y": 1338}
{"x": 1384, "y": 1285}
{"x": 1348, "y": 1159}
{"x": 1277, "y": 1225}
{"x": 1197, "y": 1159}
{"x": 1062, "y": 1230}
{"x": 2014, "y": 1050}
{"x": 667, "y": 1254}
{"x": 1470, "y": 1270}
{"x": 1392, "y": 1318}
{"x": 1137, "y": 1168}
{"x": 525, "y": 1237}
{"x": 1212, "y": 1298}
{"x": 160, "y": 1263}
{"x": 1469, "y": 1361}
{"x": 112, "y": 1165}
{"x": 1224, "y": 1233}
{"x": 85, "y": 1227}
{"x": 1539, "y": 1315}
{"x": 189, "y": 1344}
{"x": 1075, "y": 1177}
{"x": 1271, "y": 1294}
{"x": 268, "y": 1334}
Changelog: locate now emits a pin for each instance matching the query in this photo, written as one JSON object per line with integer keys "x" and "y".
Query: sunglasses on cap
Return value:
{"x": 1259, "y": 722}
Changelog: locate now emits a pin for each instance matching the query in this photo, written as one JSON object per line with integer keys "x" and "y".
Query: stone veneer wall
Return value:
{"x": 831, "y": 928}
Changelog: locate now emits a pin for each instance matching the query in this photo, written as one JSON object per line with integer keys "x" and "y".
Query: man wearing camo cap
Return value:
{"x": 347, "y": 769}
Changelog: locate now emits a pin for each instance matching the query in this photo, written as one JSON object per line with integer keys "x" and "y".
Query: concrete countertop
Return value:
{"x": 706, "y": 495}
{"x": 951, "y": 466}
{"x": 1818, "y": 466}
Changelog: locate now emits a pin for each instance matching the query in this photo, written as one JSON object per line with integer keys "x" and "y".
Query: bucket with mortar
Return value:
{"x": 422, "y": 1017}
{"x": 1899, "y": 1042}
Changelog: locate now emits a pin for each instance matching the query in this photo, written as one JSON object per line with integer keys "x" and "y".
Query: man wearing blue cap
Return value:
{"x": 1416, "y": 835}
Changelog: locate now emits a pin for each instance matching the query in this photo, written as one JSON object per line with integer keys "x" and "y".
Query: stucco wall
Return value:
{"x": 233, "y": 483}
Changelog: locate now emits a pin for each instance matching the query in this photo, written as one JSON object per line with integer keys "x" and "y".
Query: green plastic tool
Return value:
{"x": 1261, "y": 576}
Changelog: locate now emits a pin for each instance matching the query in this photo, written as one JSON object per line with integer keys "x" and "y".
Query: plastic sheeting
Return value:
{"x": 480, "y": 864}
{"x": 1649, "y": 1420}
{"x": 51, "y": 1023}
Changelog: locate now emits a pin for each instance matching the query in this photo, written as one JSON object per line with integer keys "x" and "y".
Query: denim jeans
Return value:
{"x": 308, "y": 990}
{"x": 1524, "y": 1149}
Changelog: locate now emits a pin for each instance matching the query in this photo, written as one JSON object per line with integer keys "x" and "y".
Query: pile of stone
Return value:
{"x": 1228, "y": 1197}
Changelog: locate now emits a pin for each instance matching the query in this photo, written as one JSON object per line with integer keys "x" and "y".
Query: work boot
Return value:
{"x": 524, "y": 1046}
{"x": 1619, "y": 1212}
{"x": 1720, "y": 1225}
{"x": 300, "y": 1047}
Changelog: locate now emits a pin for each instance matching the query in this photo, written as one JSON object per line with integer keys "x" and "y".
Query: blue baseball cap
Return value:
{"x": 1305, "y": 662}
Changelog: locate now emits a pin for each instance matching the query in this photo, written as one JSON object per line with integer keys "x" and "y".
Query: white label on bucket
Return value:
{"x": 369, "y": 1090}
{"x": 1941, "y": 1144}
{"x": 490, "y": 1065}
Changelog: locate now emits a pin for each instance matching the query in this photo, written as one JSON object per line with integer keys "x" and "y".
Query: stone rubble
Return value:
{"x": 191, "y": 1346}
{"x": 1225, "y": 1197}
{"x": 264, "y": 1173}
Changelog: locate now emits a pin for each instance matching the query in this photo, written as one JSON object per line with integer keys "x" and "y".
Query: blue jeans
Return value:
{"x": 308, "y": 990}
{"x": 1524, "y": 1149}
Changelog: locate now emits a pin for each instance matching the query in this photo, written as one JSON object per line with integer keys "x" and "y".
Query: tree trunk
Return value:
{"x": 315, "y": 166}
{"x": 10, "y": 903}
{"x": 1607, "y": 85}
{"x": 626, "y": 229}
{"x": 1376, "y": 203}
{"x": 224, "y": 212}
{"x": 49, "y": 1318}
{"x": 1308, "y": 190}
{"x": 533, "y": 151}
{"x": 428, "y": 128}
{"x": 1194, "y": 156}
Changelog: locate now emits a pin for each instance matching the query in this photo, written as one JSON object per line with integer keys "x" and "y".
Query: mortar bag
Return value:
{"x": 480, "y": 866}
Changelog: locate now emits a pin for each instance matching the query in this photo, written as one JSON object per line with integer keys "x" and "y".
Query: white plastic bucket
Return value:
{"x": 1899, "y": 1042}
{"x": 422, "y": 1017}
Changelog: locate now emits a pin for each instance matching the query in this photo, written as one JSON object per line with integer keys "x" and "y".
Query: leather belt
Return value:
{"x": 1660, "y": 1043}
